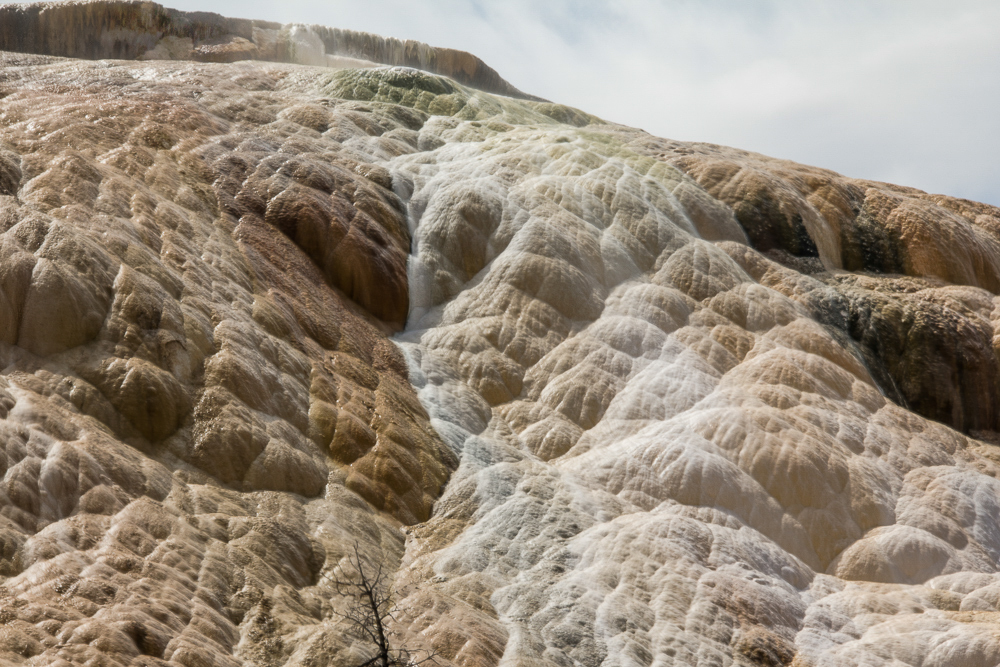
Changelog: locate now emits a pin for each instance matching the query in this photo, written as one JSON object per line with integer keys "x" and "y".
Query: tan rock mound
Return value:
{"x": 200, "y": 400}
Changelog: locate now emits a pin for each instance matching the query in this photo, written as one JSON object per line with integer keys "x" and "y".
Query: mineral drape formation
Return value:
{"x": 594, "y": 397}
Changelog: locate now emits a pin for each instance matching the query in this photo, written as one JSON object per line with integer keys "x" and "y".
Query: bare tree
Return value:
{"x": 370, "y": 606}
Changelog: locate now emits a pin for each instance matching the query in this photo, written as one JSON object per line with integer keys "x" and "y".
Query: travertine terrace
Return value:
{"x": 595, "y": 398}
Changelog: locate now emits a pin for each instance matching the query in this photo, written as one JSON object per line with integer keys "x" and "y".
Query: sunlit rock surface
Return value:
{"x": 596, "y": 398}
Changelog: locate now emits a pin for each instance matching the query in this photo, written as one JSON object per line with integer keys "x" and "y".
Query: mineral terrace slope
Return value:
{"x": 647, "y": 403}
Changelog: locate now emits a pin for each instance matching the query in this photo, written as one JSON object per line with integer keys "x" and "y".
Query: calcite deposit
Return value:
{"x": 590, "y": 396}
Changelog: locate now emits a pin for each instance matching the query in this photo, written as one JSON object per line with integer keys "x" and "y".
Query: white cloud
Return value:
{"x": 885, "y": 89}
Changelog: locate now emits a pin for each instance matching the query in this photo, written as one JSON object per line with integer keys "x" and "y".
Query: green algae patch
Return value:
{"x": 440, "y": 96}
{"x": 565, "y": 115}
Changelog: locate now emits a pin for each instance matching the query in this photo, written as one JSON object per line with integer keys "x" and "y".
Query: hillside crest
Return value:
{"x": 136, "y": 29}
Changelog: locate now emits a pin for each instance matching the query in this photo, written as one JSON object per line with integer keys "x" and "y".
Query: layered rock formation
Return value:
{"x": 141, "y": 29}
{"x": 595, "y": 398}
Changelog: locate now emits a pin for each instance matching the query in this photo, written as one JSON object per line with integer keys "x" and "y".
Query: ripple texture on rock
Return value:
{"x": 596, "y": 398}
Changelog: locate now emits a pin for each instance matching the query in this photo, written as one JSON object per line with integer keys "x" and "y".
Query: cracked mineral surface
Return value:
{"x": 593, "y": 397}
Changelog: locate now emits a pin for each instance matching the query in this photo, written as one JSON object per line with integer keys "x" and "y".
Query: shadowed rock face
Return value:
{"x": 926, "y": 333}
{"x": 594, "y": 397}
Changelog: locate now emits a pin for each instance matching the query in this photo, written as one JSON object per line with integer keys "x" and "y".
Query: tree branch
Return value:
{"x": 370, "y": 607}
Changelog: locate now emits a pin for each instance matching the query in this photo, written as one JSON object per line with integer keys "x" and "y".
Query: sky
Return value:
{"x": 905, "y": 91}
